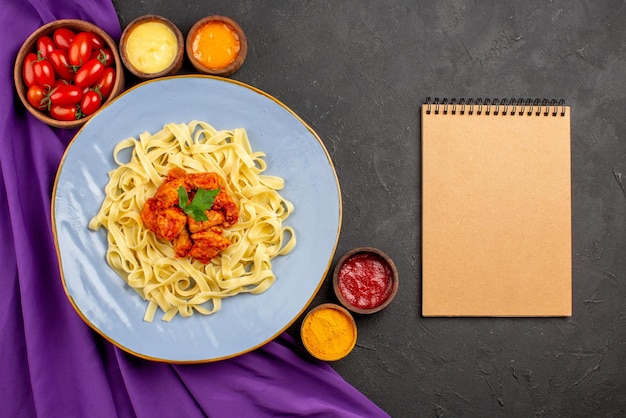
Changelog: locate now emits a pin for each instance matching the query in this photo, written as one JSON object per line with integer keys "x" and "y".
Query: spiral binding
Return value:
{"x": 503, "y": 107}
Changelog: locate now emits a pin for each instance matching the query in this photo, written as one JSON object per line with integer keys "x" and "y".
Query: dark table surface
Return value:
{"x": 357, "y": 73}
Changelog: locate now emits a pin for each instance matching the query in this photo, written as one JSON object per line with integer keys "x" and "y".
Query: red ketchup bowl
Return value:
{"x": 365, "y": 280}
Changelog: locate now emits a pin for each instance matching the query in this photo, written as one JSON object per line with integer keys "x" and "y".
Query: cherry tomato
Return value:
{"x": 89, "y": 73}
{"x": 105, "y": 85}
{"x": 103, "y": 54}
{"x": 66, "y": 94}
{"x": 65, "y": 113}
{"x": 45, "y": 46}
{"x": 96, "y": 41}
{"x": 36, "y": 96}
{"x": 61, "y": 64}
{"x": 80, "y": 49}
{"x": 63, "y": 37}
{"x": 28, "y": 73}
{"x": 44, "y": 73}
{"x": 60, "y": 81}
{"x": 90, "y": 102}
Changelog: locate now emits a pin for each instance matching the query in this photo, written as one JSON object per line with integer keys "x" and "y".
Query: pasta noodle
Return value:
{"x": 183, "y": 285}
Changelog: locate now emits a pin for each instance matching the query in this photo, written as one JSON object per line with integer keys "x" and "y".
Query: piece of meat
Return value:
{"x": 224, "y": 203}
{"x": 207, "y": 244}
{"x": 170, "y": 222}
{"x": 215, "y": 218}
{"x": 176, "y": 173}
{"x": 167, "y": 193}
{"x": 182, "y": 244}
{"x": 149, "y": 214}
{"x": 209, "y": 181}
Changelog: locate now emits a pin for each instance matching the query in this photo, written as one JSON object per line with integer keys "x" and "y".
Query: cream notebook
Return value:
{"x": 496, "y": 208}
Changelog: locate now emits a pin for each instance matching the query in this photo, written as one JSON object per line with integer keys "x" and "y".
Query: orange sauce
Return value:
{"x": 216, "y": 45}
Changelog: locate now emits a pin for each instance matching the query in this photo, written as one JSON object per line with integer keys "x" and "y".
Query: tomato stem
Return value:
{"x": 102, "y": 57}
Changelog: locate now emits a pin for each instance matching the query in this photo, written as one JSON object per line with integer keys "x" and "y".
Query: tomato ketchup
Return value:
{"x": 365, "y": 280}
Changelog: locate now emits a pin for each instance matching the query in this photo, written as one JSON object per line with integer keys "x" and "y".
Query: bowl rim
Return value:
{"x": 171, "y": 69}
{"x": 329, "y": 305}
{"x": 27, "y": 47}
{"x": 237, "y": 62}
{"x": 395, "y": 280}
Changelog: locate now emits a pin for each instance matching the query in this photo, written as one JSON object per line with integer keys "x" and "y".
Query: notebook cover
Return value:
{"x": 496, "y": 218}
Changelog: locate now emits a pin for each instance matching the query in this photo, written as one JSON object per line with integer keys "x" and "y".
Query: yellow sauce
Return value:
{"x": 216, "y": 45}
{"x": 151, "y": 47}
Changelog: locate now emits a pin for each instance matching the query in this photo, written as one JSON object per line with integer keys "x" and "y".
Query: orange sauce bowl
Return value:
{"x": 216, "y": 45}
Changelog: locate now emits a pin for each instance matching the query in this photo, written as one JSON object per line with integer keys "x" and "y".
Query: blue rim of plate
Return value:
{"x": 245, "y": 322}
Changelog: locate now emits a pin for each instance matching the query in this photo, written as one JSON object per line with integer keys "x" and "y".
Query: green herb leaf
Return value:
{"x": 183, "y": 198}
{"x": 202, "y": 201}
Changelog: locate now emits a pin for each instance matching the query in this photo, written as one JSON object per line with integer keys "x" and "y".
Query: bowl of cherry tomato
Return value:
{"x": 66, "y": 71}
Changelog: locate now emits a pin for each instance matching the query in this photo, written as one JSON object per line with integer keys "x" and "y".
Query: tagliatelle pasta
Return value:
{"x": 148, "y": 265}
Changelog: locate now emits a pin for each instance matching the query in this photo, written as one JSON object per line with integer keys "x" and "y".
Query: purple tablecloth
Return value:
{"x": 51, "y": 362}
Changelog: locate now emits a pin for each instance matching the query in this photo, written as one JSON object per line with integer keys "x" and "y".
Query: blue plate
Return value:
{"x": 245, "y": 321}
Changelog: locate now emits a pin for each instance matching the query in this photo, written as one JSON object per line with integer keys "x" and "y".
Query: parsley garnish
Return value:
{"x": 202, "y": 201}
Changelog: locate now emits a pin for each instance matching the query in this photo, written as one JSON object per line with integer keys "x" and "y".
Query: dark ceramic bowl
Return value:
{"x": 177, "y": 56}
{"x": 365, "y": 280}
{"x": 320, "y": 335}
{"x": 238, "y": 35}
